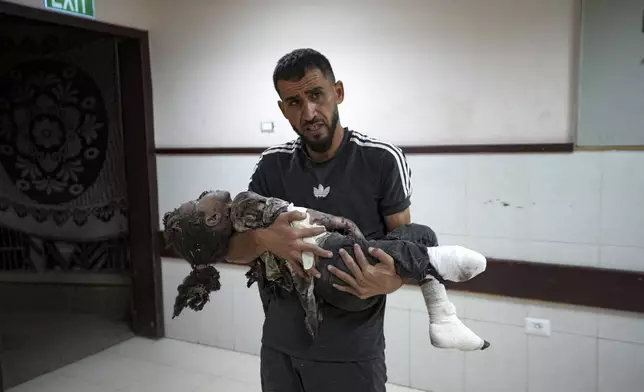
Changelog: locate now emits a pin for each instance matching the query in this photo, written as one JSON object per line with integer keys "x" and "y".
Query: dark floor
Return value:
{"x": 35, "y": 343}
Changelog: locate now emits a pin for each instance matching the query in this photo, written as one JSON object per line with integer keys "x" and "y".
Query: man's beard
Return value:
{"x": 323, "y": 145}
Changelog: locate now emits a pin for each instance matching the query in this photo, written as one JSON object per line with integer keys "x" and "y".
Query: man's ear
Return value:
{"x": 339, "y": 91}
{"x": 281, "y": 106}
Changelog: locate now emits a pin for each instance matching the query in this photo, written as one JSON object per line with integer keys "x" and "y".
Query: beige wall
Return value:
{"x": 415, "y": 71}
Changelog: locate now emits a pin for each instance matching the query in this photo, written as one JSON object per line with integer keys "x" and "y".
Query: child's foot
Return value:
{"x": 456, "y": 263}
{"x": 445, "y": 329}
{"x": 451, "y": 333}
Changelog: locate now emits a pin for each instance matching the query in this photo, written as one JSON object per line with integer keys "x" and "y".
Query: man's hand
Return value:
{"x": 285, "y": 242}
{"x": 368, "y": 280}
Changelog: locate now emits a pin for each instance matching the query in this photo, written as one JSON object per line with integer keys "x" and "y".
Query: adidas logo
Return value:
{"x": 321, "y": 192}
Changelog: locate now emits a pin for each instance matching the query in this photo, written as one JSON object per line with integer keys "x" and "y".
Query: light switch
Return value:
{"x": 267, "y": 126}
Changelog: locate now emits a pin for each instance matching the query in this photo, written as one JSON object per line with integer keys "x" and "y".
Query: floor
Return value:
{"x": 35, "y": 343}
{"x": 167, "y": 365}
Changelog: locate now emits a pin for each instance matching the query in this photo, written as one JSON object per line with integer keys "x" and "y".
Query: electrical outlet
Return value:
{"x": 540, "y": 327}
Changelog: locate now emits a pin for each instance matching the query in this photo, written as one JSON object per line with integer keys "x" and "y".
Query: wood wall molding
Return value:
{"x": 411, "y": 150}
{"x": 563, "y": 284}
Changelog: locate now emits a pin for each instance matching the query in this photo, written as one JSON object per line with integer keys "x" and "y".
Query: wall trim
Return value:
{"x": 554, "y": 283}
{"x": 434, "y": 149}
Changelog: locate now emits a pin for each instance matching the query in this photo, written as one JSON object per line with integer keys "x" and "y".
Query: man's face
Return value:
{"x": 311, "y": 106}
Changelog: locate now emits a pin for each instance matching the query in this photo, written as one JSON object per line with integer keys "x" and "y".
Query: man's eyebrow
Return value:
{"x": 291, "y": 98}
{"x": 316, "y": 89}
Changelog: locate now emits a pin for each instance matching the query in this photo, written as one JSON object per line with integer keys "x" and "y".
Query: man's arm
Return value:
{"x": 398, "y": 219}
{"x": 244, "y": 248}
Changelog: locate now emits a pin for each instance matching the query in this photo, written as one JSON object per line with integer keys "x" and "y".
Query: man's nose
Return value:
{"x": 309, "y": 111}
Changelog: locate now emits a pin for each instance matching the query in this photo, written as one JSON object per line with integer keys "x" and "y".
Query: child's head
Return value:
{"x": 199, "y": 231}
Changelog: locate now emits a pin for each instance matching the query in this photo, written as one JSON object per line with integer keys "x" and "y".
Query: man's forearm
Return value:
{"x": 244, "y": 248}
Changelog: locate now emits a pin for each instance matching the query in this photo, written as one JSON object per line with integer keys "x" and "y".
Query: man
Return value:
{"x": 331, "y": 169}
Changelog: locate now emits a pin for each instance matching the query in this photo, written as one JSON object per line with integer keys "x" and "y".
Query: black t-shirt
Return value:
{"x": 365, "y": 181}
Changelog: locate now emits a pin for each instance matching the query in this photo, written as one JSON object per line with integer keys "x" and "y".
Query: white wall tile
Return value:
{"x": 627, "y": 327}
{"x": 565, "y": 198}
{"x": 452, "y": 239}
{"x": 569, "y": 319}
{"x": 397, "y": 339}
{"x": 620, "y": 366}
{"x": 534, "y": 251}
{"x": 433, "y": 369}
{"x": 623, "y": 258}
{"x": 503, "y": 366}
{"x": 562, "y": 363}
{"x": 410, "y": 297}
{"x": 214, "y": 324}
{"x": 561, "y": 253}
{"x": 496, "y": 310}
{"x": 498, "y": 248}
{"x": 497, "y": 186}
{"x": 249, "y": 315}
{"x": 406, "y": 298}
{"x": 623, "y": 187}
{"x": 439, "y": 192}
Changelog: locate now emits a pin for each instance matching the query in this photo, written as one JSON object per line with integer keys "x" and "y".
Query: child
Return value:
{"x": 199, "y": 231}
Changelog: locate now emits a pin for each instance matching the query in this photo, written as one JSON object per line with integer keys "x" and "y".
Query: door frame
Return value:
{"x": 140, "y": 161}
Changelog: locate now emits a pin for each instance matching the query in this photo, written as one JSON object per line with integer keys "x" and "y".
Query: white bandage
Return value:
{"x": 445, "y": 328}
{"x": 456, "y": 263}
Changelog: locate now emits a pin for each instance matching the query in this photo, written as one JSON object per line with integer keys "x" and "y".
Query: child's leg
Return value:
{"x": 445, "y": 329}
{"x": 450, "y": 263}
{"x": 453, "y": 263}
{"x": 414, "y": 232}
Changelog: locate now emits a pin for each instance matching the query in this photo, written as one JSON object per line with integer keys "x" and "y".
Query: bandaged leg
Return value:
{"x": 456, "y": 263}
{"x": 445, "y": 329}
{"x": 453, "y": 263}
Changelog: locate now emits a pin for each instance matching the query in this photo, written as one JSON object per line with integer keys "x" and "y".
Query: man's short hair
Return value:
{"x": 293, "y": 65}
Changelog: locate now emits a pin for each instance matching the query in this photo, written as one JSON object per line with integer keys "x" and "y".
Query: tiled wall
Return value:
{"x": 589, "y": 350}
{"x": 579, "y": 209}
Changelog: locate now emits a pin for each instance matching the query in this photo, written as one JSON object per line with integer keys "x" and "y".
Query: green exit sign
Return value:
{"x": 76, "y": 7}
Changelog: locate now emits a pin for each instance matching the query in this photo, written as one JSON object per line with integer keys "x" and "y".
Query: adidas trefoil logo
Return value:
{"x": 321, "y": 192}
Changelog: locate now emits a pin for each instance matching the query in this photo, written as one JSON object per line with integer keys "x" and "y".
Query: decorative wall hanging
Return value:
{"x": 62, "y": 164}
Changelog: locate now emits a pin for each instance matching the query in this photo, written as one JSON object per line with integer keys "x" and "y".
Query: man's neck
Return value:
{"x": 318, "y": 157}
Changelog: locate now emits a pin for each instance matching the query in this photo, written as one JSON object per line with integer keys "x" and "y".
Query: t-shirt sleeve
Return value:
{"x": 396, "y": 182}
{"x": 258, "y": 181}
